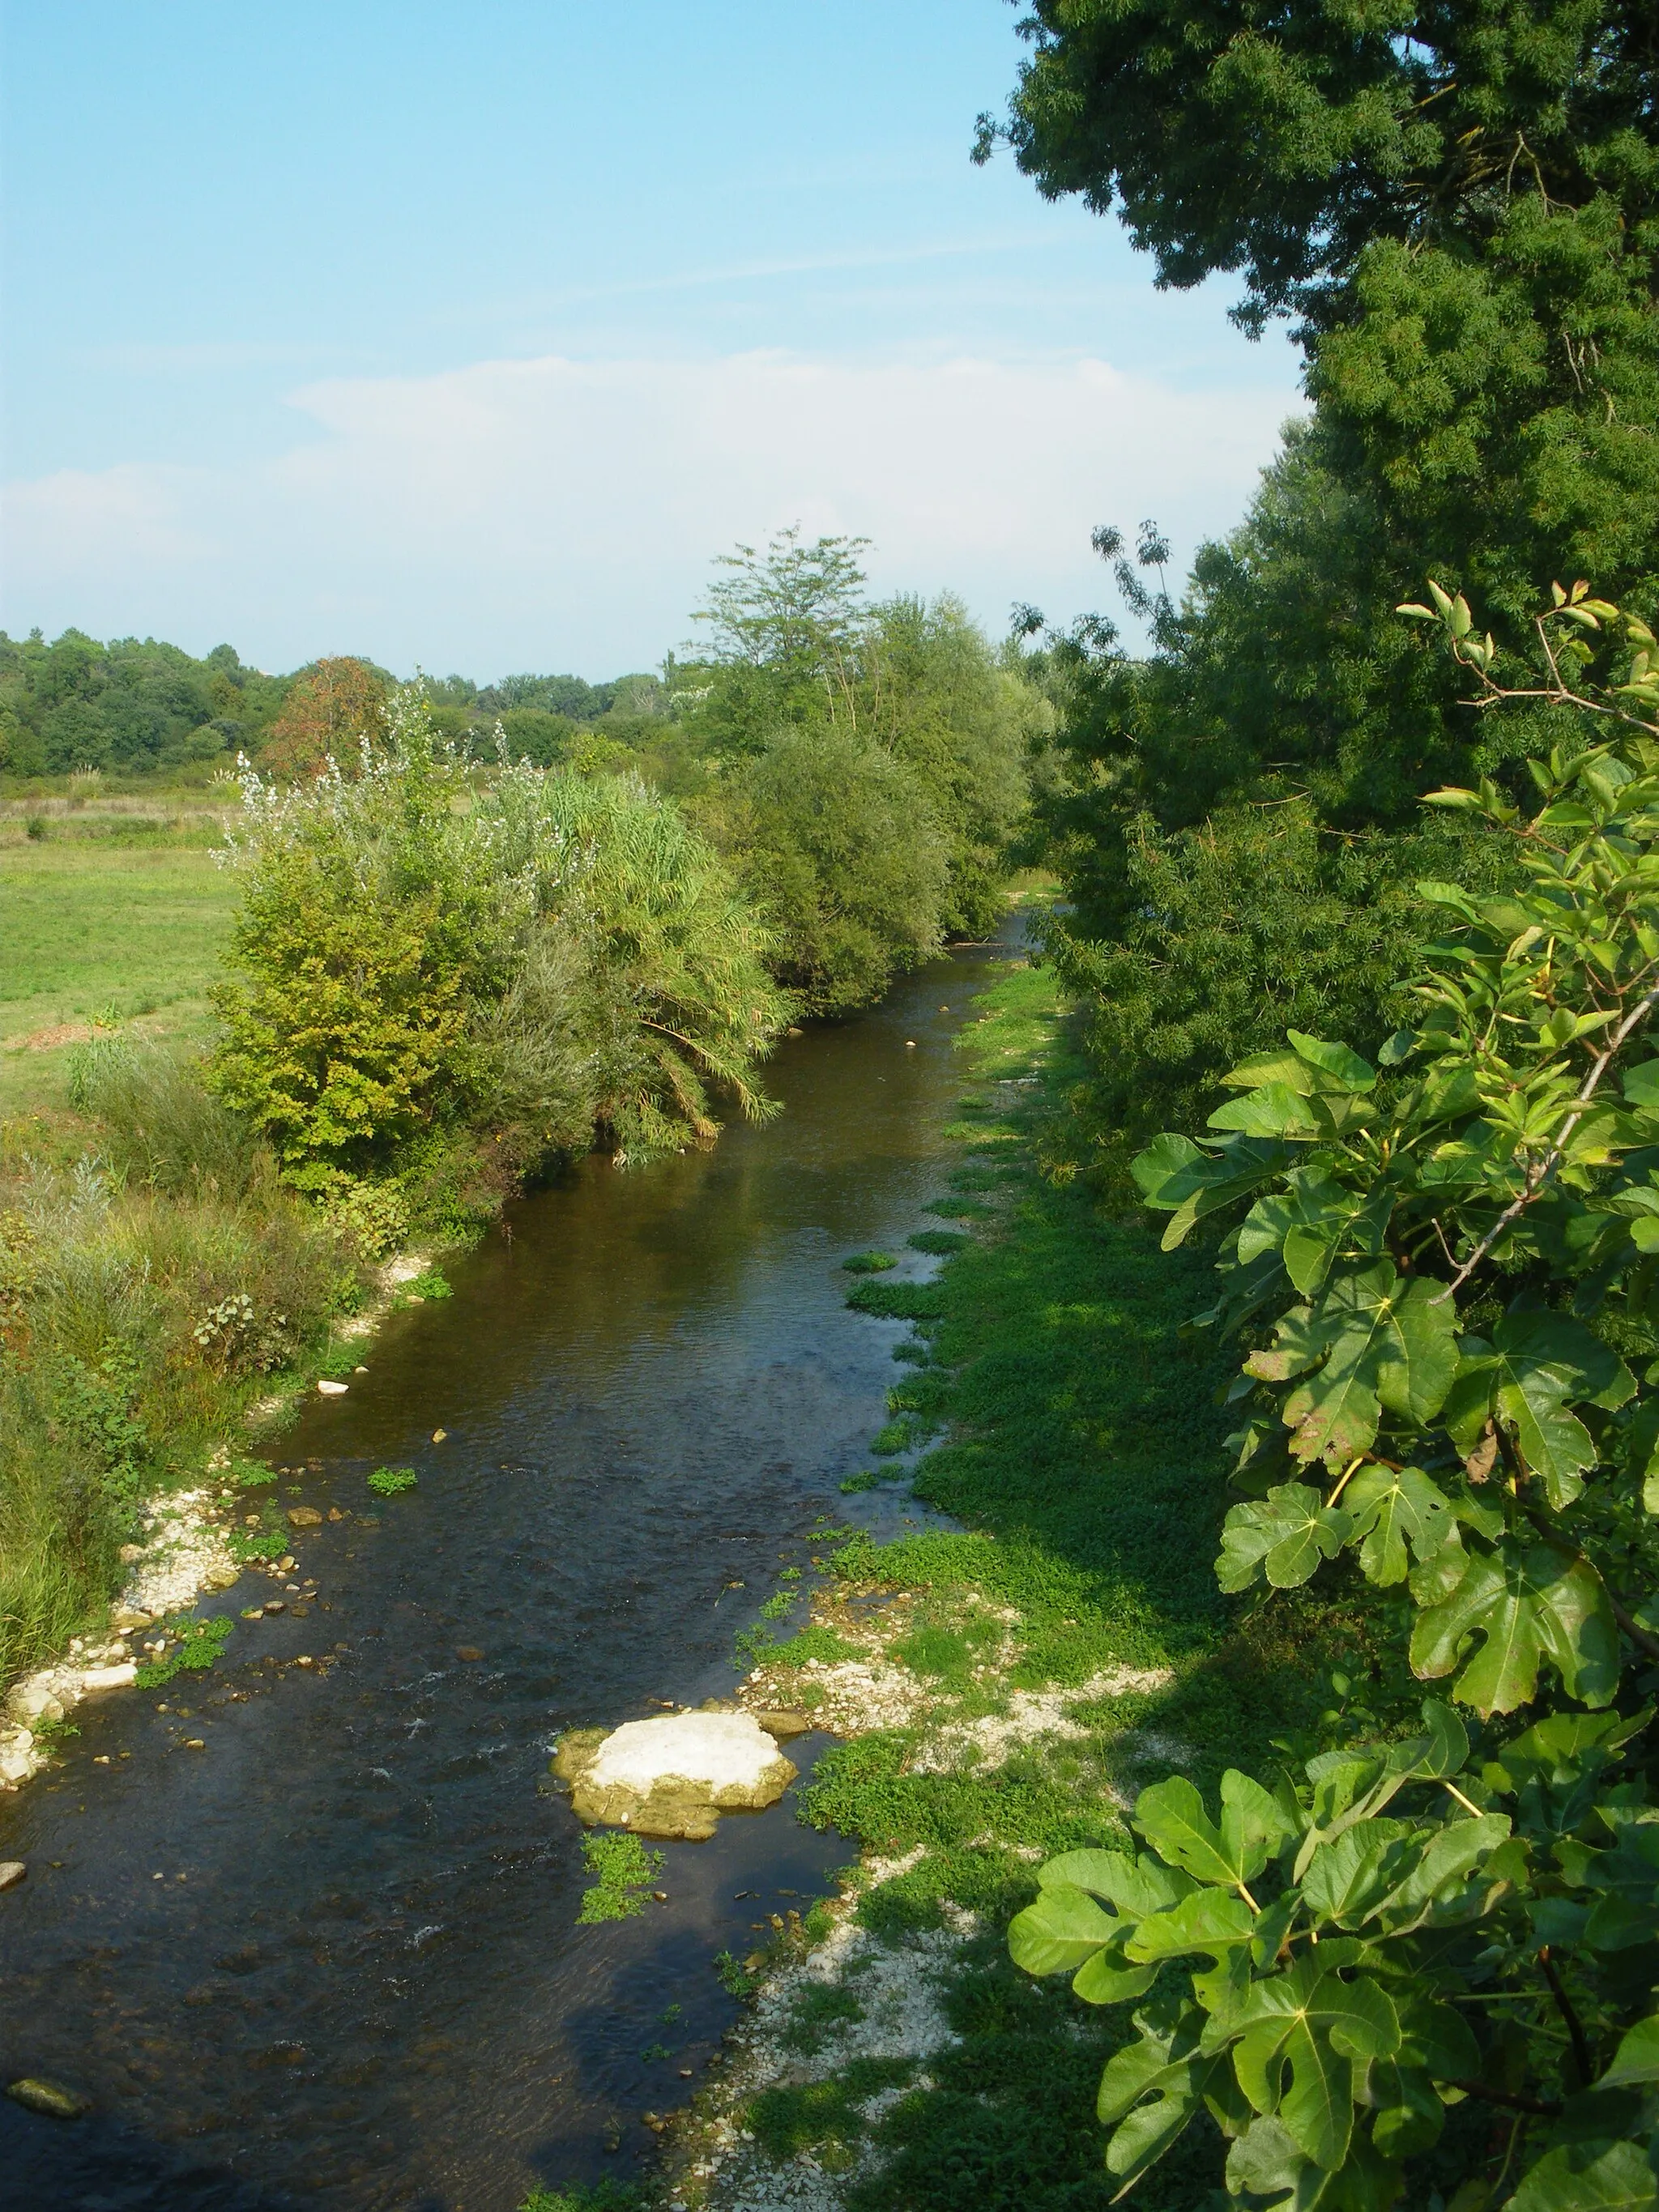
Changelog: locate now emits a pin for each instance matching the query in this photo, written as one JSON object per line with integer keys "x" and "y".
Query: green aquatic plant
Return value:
{"x": 392, "y": 1481}
{"x": 602, "y": 2196}
{"x": 623, "y": 1871}
{"x": 869, "y": 1263}
{"x": 939, "y": 1243}
{"x": 431, "y": 1283}
{"x": 198, "y": 1646}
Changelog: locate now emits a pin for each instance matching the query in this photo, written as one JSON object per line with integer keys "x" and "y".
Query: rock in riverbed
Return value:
{"x": 57, "y": 2104}
{"x": 12, "y": 1871}
{"x": 672, "y": 1776}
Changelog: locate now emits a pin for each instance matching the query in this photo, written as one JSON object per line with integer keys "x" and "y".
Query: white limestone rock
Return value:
{"x": 674, "y": 1776}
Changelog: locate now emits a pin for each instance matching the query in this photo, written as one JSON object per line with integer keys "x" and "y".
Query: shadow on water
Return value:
{"x": 331, "y": 1956}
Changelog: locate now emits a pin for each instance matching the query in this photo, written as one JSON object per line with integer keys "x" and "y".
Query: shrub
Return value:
{"x": 1444, "y": 1264}
{"x": 841, "y": 845}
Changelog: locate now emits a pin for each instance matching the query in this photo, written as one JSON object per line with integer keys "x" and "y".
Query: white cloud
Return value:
{"x": 556, "y": 513}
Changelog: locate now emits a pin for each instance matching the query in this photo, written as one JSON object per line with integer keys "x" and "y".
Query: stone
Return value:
{"x": 48, "y": 2097}
{"x": 335, "y": 1514}
{"x": 33, "y": 1701}
{"x": 111, "y": 1678}
{"x": 275, "y": 1605}
{"x": 17, "y": 1758}
{"x": 304, "y": 1516}
{"x": 221, "y": 1579}
{"x": 438, "y": 1435}
{"x": 780, "y": 1725}
{"x": 12, "y": 1871}
{"x": 328, "y": 1389}
{"x": 130, "y": 1554}
{"x": 673, "y": 1776}
{"x": 468, "y": 1652}
{"x": 126, "y": 1617}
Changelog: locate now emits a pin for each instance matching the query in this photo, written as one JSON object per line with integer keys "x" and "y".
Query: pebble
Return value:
{"x": 192, "y": 1743}
{"x": 276, "y": 1605}
{"x": 305, "y": 1659}
{"x": 468, "y": 1652}
{"x": 438, "y": 1435}
{"x": 47, "y": 2096}
{"x": 327, "y": 1389}
{"x": 12, "y": 1871}
{"x": 304, "y": 1516}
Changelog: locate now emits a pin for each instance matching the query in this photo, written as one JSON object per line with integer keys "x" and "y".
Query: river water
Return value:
{"x": 333, "y": 1958}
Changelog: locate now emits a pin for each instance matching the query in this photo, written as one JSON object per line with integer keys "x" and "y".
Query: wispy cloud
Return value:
{"x": 556, "y": 513}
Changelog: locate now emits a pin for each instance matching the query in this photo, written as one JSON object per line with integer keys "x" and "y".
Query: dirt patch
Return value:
{"x": 49, "y": 1040}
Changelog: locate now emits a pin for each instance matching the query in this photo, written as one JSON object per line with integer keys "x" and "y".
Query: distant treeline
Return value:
{"x": 136, "y": 705}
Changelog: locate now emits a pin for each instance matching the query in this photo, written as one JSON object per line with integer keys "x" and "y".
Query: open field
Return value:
{"x": 95, "y": 924}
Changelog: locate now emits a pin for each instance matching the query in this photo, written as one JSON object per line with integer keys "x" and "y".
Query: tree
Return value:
{"x": 1287, "y": 142}
{"x": 785, "y": 628}
{"x": 837, "y": 842}
{"x": 334, "y": 710}
{"x": 1442, "y": 1259}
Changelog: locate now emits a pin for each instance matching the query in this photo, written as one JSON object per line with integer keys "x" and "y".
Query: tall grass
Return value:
{"x": 147, "y": 1291}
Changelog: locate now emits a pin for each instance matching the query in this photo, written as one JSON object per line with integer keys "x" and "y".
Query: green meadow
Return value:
{"x": 101, "y": 922}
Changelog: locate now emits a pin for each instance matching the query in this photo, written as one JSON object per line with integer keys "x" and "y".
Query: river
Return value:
{"x": 331, "y": 1959}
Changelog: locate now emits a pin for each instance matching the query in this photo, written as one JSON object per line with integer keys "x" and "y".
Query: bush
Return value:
{"x": 841, "y": 847}
{"x": 418, "y": 957}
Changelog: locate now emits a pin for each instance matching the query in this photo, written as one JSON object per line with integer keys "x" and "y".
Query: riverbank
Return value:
{"x": 186, "y": 1506}
{"x": 1004, "y": 1694}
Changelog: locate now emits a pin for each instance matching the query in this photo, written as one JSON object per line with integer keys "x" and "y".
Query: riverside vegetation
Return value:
{"x": 1388, "y": 1936}
{"x": 443, "y": 964}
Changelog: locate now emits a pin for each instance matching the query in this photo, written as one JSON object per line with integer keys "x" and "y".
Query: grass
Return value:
{"x": 98, "y": 929}
{"x": 1083, "y": 1464}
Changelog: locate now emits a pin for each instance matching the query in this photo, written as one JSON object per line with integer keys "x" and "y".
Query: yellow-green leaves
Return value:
{"x": 1253, "y": 1825}
{"x": 1280, "y": 1539}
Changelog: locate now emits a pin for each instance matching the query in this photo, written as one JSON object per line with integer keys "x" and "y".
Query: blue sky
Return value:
{"x": 465, "y": 332}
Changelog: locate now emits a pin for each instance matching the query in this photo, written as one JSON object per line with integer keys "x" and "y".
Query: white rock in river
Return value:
{"x": 674, "y": 1776}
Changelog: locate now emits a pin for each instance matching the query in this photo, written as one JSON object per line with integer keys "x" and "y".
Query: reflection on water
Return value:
{"x": 332, "y": 1957}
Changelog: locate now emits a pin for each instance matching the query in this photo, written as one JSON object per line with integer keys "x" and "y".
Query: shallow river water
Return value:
{"x": 333, "y": 1958}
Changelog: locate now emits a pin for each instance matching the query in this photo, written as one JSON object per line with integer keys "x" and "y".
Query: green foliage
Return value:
{"x": 392, "y": 1481}
{"x": 1459, "y": 204}
{"x": 366, "y": 928}
{"x": 937, "y": 1243}
{"x": 623, "y": 1871}
{"x": 896, "y": 1301}
{"x": 602, "y": 2196}
{"x": 876, "y": 764}
{"x": 1443, "y": 1265}
{"x": 196, "y": 1646}
{"x": 128, "y": 705}
{"x": 841, "y": 847}
{"x": 549, "y": 958}
{"x": 869, "y": 1263}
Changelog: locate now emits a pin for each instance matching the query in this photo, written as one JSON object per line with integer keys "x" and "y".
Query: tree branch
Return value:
{"x": 1507, "y": 2098}
{"x": 1538, "y": 1176}
{"x": 1581, "y": 2051}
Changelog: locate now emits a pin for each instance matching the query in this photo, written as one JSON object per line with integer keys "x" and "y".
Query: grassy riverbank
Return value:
{"x": 1031, "y": 1675}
